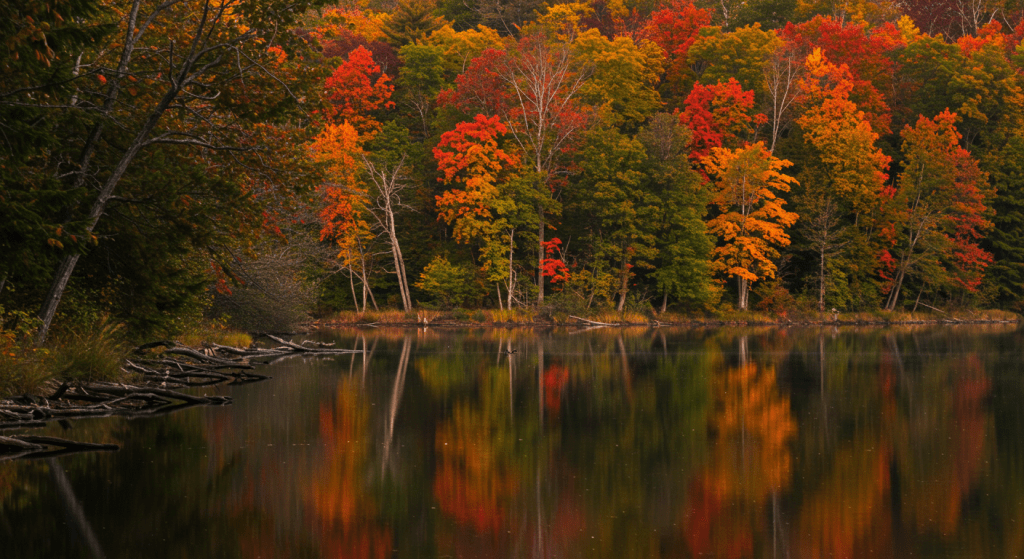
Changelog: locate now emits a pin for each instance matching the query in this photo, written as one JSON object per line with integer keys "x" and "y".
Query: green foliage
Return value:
{"x": 451, "y": 285}
{"x": 624, "y": 77}
{"x": 411, "y": 21}
{"x": 740, "y": 54}
{"x": 684, "y": 246}
{"x": 86, "y": 352}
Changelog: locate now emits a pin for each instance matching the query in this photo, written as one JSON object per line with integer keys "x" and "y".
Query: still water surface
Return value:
{"x": 731, "y": 443}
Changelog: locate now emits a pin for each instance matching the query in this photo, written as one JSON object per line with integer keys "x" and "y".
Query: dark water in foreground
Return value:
{"x": 733, "y": 443}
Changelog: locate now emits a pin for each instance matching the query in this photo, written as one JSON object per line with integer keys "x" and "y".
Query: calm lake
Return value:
{"x": 732, "y": 443}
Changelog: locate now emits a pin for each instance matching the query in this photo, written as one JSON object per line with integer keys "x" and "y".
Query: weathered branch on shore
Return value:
{"x": 160, "y": 368}
{"x": 591, "y": 322}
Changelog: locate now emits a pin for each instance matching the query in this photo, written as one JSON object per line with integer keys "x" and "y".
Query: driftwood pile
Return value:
{"x": 162, "y": 368}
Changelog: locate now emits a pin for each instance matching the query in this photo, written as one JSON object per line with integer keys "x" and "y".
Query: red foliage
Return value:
{"x": 357, "y": 88}
{"x": 719, "y": 116}
{"x": 864, "y": 52}
{"x": 480, "y": 88}
{"x": 551, "y": 267}
{"x": 345, "y": 41}
{"x": 470, "y": 144}
{"x": 674, "y": 29}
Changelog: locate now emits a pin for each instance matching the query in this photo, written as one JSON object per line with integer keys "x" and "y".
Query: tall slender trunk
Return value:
{"x": 364, "y": 276}
{"x": 67, "y": 266}
{"x": 184, "y": 76}
{"x": 352, "y": 286}
{"x": 821, "y": 281}
{"x": 511, "y": 273}
{"x": 894, "y": 295}
{"x": 744, "y": 288}
{"x": 540, "y": 256}
{"x": 396, "y": 252}
{"x": 664, "y": 302}
{"x": 623, "y": 285}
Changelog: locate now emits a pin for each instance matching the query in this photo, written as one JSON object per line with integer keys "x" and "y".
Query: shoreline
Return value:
{"x": 444, "y": 321}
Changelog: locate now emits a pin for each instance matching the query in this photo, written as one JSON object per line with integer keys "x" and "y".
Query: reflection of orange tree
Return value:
{"x": 472, "y": 483}
{"x": 943, "y": 449}
{"x": 752, "y": 426}
{"x": 849, "y": 516}
{"x": 346, "y": 513}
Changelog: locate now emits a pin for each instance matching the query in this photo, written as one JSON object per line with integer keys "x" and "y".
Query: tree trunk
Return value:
{"x": 540, "y": 256}
{"x": 511, "y": 276}
{"x": 364, "y": 277}
{"x": 396, "y": 252}
{"x": 821, "y": 282}
{"x": 744, "y": 287}
{"x": 183, "y": 76}
{"x": 352, "y": 286}
{"x": 895, "y": 293}
{"x": 623, "y": 285}
{"x": 664, "y": 302}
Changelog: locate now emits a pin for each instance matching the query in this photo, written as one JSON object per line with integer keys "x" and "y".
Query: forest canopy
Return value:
{"x": 261, "y": 159}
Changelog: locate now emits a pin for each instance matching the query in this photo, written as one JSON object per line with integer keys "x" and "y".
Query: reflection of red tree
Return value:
{"x": 555, "y": 379}
{"x": 709, "y": 531}
{"x": 849, "y": 516}
{"x": 347, "y": 515}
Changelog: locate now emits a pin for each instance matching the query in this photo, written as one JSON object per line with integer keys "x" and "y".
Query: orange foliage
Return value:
{"x": 347, "y": 515}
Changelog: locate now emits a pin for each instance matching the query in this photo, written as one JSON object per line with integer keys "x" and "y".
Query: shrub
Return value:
{"x": 23, "y": 367}
{"x": 92, "y": 354}
{"x": 451, "y": 285}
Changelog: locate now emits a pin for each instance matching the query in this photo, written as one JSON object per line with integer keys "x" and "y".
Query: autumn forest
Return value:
{"x": 266, "y": 159}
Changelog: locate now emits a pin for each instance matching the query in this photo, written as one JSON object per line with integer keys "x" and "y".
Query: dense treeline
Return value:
{"x": 769, "y": 154}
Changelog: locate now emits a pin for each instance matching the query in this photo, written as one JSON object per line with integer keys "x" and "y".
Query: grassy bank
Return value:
{"x": 92, "y": 353}
{"x": 531, "y": 317}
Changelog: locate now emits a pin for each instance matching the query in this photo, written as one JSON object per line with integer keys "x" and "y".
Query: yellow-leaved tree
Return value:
{"x": 750, "y": 221}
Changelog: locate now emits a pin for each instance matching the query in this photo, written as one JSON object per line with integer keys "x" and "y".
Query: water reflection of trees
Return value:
{"x": 610, "y": 443}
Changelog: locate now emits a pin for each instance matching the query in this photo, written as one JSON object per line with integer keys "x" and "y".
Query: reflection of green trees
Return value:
{"x": 899, "y": 438}
{"x": 160, "y": 499}
{"x": 620, "y": 443}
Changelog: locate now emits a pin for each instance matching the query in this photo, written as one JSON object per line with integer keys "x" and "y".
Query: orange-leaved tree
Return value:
{"x": 343, "y": 215}
{"x": 480, "y": 204}
{"x": 751, "y": 221}
{"x": 843, "y": 179}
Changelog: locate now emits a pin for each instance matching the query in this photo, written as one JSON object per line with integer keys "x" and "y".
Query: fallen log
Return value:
{"x": 124, "y": 390}
{"x": 17, "y": 443}
{"x": 63, "y": 443}
{"x": 592, "y": 322}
